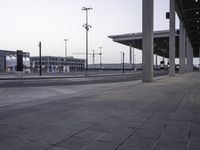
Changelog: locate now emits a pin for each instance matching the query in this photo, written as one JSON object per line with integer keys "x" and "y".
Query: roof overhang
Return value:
{"x": 189, "y": 12}
{"x": 161, "y": 41}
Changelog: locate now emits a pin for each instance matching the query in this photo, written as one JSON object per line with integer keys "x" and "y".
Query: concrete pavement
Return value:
{"x": 163, "y": 115}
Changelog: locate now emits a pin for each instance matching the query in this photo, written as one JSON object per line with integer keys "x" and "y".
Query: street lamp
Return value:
{"x": 40, "y": 57}
{"x": 100, "y": 53}
{"x": 87, "y": 27}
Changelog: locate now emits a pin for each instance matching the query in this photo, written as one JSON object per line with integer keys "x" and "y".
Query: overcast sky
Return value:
{"x": 26, "y": 22}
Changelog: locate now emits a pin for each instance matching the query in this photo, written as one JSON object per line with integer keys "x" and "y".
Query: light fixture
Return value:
{"x": 87, "y": 27}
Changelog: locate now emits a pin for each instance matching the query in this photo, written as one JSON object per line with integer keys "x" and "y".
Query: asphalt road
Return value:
{"x": 74, "y": 80}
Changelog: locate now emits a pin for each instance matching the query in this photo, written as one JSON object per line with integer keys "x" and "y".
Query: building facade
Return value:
{"x": 8, "y": 61}
{"x": 115, "y": 66}
{"x": 57, "y": 64}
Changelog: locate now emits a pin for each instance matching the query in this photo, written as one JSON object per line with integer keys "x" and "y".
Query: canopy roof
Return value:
{"x": 189, "y": 12}
{"x": 161, "y": 41}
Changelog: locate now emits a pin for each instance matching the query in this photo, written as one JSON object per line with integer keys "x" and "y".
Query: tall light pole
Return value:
{"x": 87, "y": 27}
{"x": 40, "y": 57}
{"x": 65, "y": 61}
{"x": 100, "y": 53}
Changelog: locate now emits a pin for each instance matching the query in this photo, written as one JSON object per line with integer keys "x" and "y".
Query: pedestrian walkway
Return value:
{"x": 163, "y": 115}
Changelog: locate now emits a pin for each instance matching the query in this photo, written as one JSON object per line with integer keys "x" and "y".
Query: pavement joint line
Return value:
{"x": 157, "y": 139}
{"x": 189, "y": 138}
{"x": 165, "y": 125}
{"x": 57, "y": 144}
{"x": 191, "y": 110}
{"x": 140, "y": 125}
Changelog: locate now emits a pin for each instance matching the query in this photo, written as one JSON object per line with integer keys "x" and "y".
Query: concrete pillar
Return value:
{"x": 199, "y": 58}
{"x": 134, "y": 67}
{"x": 172, "y": 39}
{"x": 186, "y": 50}
{"x": 192, "y": 56}
{"x": 188, "y": 54}
{"x": 147, "y": 40}
{"x": 130, "y": 55}
{"x": 182, "y": 48}
{"x": 156, "y": 61}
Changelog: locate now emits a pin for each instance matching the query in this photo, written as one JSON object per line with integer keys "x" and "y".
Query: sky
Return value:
{"x": 26, "y": 22}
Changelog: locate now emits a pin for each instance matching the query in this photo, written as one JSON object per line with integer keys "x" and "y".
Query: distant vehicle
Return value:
{"x": 176, "y": 67}
{"x": 195, "y": 68}
{"x": 27, "y": 71}
{"x": 162, "y": 65}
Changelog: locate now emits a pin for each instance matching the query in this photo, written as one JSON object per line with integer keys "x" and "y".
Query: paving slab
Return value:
{"x": 138, "y": 143}
{"x": 162, "y": 115}
{"x": 58, "y": 148}
{"x": 166, "y": 145}
{"x": 75, "y": 143}
{"x": 99, "y": 145}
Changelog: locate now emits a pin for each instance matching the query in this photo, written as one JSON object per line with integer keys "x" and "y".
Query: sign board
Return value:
{"x": 19, "y": 60}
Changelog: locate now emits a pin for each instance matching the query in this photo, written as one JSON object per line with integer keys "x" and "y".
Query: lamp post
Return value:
{"x": 87, "y": 27}
{"x": 100, "y": 53}
{"x": 65, "y": 61}
{"x": 40, "y": 58}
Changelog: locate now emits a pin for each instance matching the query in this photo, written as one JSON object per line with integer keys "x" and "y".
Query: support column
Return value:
{"x": 199, "y": 58}
{"x": 192, "y": 56}
{"x": 147, "y": 40}
{"x": 156, "y": 61}
{"x": 182, "y": 48}
{"x": 172, "y": 39}
{"x": 188, "y": 54}
{"x": 133, "y": 57}
{"x": 130, "y": 55}
{"x": 190, "y": 61}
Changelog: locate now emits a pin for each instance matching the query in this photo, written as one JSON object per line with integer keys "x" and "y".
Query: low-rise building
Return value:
{"x": 115, "y": 66}
{"x": 57, "y": 64}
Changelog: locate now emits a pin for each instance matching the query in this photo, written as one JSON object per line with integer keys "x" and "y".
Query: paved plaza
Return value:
{"x": 162, "y": 115}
